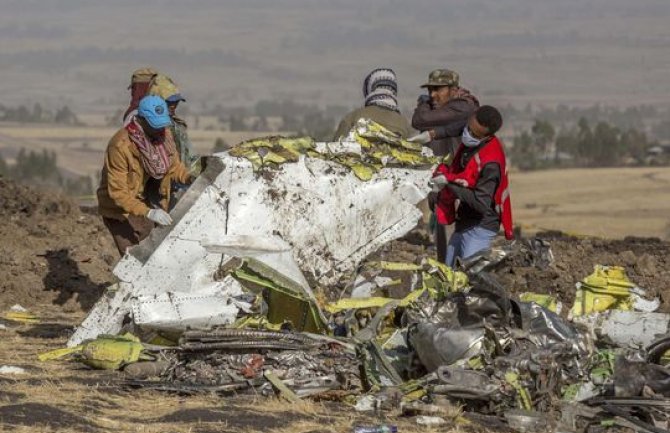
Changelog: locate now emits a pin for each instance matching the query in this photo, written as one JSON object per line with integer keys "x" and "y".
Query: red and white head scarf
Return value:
{"x": 154, "y": 154}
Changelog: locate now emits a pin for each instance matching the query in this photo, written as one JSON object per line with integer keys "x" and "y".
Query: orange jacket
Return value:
{"x": 123, "y": 178}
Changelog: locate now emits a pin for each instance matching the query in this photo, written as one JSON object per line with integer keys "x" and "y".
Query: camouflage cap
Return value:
{"x": 142, "y": 75}
{"x": 163, "y": 86}
{"x": 442, "y": 77}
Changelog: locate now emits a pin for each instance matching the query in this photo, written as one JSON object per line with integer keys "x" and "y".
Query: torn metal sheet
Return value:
{"x": 174, "y": 311}
{"x": 526, "y": 421}
{"x": 527, "y": 252}
{"x": 549, "y": 302}
{"x": 436, "y": 346}
{"x": 584, "y": 391}
{"x": 270, "y": 250}
{"x": 634, "y": 377}
{"x": 12, "y": 370}
{"x": 329, "y": 217}
{"x": 545, "y": 328}
{"x": 482, "y": 261}
{"x": 430, "y": 421}
{"x": 628, "y": 329}
{"x": 609, "y": 288}
{"x": 465, "y": 384}
{"x": 638, "y": 414}
{"x": 288, "y": 303}
{"x": 281, "y": 388}
{"x": 658, "y": 352}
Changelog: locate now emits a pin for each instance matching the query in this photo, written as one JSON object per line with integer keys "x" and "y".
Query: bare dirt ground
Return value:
{"x": 51, "y": 252}
{"x": 646, "y": 260}
{"x": 55, "y": 260}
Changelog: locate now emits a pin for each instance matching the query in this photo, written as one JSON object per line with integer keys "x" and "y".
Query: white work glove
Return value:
{"x": 159, "y": 216}
{"x": 422, "y": 138}
{"x": 438, "y": 182}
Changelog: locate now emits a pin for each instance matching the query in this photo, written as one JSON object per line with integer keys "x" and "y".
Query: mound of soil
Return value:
{"x": 646, "y": 260}
{"x": 51, "y": 252}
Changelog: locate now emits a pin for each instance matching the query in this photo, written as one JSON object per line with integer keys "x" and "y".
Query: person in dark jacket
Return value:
{"x": 441, "y": 116}
{"x": 486, "y": 204}
{"x": 380, "y": 90}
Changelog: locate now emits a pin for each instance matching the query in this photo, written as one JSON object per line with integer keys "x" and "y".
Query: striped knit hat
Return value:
{"x": 380, "y": 88}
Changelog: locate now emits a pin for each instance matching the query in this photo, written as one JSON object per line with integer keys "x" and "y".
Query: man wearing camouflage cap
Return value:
{"x": 165, "y": 87}
{"x": 441, "y": 115}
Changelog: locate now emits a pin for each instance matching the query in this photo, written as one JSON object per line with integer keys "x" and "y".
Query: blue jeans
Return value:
{"x": 468, "y": 243}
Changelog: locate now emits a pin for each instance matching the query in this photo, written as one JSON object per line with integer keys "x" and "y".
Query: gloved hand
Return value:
{"x": 422, "y": 138}
{"x": 438, "y": 182}
{"x": 423, "y": 99}
{"x": 159, "y": 216}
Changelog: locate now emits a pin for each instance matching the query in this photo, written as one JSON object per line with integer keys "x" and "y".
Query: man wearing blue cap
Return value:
{"x": 166, "y": 88}
{"x": 141, "y": 162}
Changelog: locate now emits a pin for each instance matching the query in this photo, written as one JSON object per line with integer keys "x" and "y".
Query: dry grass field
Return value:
{"x": 81, "y": 149}
{"x": 607, "y": 202}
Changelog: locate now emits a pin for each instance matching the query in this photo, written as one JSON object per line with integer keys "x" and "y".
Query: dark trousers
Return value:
{"x": 441, "y": 242}
{"x": 128, "y": 232}
{"x": 440, "y": 232}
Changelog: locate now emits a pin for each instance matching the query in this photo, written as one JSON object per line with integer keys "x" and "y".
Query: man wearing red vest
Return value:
{"x": 477, "y": 178}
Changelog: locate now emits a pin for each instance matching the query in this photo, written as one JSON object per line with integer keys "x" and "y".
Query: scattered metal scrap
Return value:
{"x": 296, "y": 364}
{"x": 471, "y": 343}
{"x": 241, "y": 312}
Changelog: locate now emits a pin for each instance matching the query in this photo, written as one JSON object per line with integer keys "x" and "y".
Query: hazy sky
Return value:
{"x": 234, "y": 52}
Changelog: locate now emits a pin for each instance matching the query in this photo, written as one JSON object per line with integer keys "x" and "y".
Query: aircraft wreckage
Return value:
{"x": 229, "y": 299}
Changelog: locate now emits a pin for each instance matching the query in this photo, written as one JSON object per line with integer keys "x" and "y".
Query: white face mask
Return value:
{"x": 468, "y": 139}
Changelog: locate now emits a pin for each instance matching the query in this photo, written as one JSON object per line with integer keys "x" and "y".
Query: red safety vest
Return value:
{"x": 491, "y": 152}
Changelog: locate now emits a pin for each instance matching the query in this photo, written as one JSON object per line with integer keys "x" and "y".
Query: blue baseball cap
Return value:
{"x": 175, "y": 98}
{"x": 155, "y": 111}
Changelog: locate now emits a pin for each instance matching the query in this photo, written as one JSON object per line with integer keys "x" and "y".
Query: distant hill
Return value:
{"x": 81, "y": 52}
